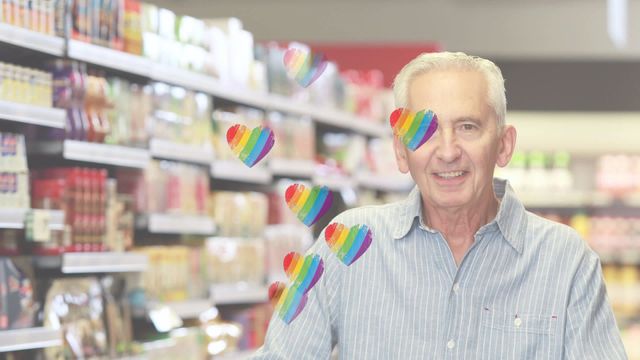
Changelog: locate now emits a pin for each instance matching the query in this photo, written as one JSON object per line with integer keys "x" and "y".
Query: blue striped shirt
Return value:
{"x": 528, "y": 288}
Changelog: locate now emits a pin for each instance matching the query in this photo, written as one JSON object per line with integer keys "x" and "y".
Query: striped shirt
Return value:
{"x": 527, "y": 288}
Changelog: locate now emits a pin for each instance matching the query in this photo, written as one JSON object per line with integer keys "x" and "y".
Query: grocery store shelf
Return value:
{"x": 112, "y": 59}
{"x": 234, "y": 170}
{"x": 32, "y": 40}
{"x": 333, "y": 117}
{"x": 559, "y": 130}
{"x": 358, "y": 124}
{"x": 11, "y": 218}
{"x": 223, "y": 294}
{"x": 31, "y": 338}
{"x": 94, "y": 262}
{"x": 391, "y": 183}
{"x": 208, "y": 84}
{"x": 239, "y": 355}
{"x": 334, "y": 182}
{"x": 164, "y": 149}
{"x": 176, "y": 224}
{"x": 141, "y": 66}
{"x": 563, "y": 199}
{"x": 30, "y": 114}
{"x": 292, "y": 168}
{"x": 95, "y": 153}
{"x": 190, "y": 309}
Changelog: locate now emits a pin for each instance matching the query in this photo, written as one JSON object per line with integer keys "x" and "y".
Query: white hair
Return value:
{"x": 426, "y": 62}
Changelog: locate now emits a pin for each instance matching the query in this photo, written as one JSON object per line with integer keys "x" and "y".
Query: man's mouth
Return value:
{"x": 450, "y": 174}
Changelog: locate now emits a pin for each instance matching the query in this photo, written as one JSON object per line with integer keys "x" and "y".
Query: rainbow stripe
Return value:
{"x": 250, "y": 145}
{"x": 414, "y": 129}
{"x": 309, "y": 205}
{"x": 304, "y": 67}
{"x": 348, "y": 243}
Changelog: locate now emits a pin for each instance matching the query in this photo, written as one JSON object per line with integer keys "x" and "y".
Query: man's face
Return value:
{"x": 454, "y": 169}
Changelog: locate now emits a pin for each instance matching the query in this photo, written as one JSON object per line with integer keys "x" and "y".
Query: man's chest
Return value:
{"x": 490, "y": 307}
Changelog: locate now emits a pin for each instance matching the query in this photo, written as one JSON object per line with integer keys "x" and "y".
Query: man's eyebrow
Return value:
{"x": 468, "y": 119}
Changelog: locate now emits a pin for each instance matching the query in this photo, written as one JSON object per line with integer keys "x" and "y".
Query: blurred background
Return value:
{"x": 128, "y": 228}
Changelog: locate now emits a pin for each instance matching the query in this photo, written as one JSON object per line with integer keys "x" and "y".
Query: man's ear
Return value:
{"x": 401, "y": 155}
{"x": 507, "y": 144}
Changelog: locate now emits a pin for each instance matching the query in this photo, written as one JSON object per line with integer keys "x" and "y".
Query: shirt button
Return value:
{"x": 517, "y": 322}
{"x": 451, "y": 344}
{"x": 456, "y": 288}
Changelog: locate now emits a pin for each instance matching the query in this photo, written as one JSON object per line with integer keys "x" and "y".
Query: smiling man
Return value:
{"x": 459, "y": 269}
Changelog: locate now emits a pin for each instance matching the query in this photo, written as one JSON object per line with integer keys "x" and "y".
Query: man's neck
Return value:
{"x": 458, "y": 224}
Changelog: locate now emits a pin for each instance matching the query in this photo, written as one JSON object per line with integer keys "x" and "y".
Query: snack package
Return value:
{"x": 17, "y": 302}
{"x": 76, "y": 307}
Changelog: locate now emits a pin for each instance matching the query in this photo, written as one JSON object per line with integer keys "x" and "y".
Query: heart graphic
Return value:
{"x": 250, "y": 145}
{"x": 275, "y": 291}
{"x": 348, "y": 243}
{"x": 303, "y": 66}
{"x": 304, "y": 273}
{"x": 308, "y": 204}
{"x": 414, "y": 129}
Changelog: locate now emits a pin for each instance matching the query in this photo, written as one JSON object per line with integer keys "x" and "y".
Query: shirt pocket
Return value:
{"x": 510, "y": 335}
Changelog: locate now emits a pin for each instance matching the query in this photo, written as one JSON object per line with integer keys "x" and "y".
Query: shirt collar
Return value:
{"x": 510, "y": 219}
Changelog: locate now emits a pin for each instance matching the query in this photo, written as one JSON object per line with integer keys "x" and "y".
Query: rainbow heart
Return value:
{"x": 275, "y": 291}
{"x": 348, "y": 243}
{"x": 250, "y": 145}
{"x": 303, "y": 66}
{"x": 414, "y": 129}
{"x": 304, "y": 273}
{"x": 309, "y": 205}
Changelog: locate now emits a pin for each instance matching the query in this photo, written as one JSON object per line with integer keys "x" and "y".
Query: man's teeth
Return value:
{"x": 452, "y": 174}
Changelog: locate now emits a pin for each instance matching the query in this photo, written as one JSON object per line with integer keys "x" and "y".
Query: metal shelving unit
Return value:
{"x": 94, "y": 262}
{"x": 223, "y": 294}
{"x": 29, "y": 114}
{"x": 176, "y": 224}
{"x": 30, "y": 338}
{"x": 31, "y": 40}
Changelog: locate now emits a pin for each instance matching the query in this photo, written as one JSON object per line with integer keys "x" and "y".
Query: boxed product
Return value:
{"x": 81, "y": 194}
{"x": 167, "y": 187}
{"x": 239, "y": 214}
{"x": 167, "y": 276}
{"x": 296, "y": 137}
{"x": 233, "y": 260}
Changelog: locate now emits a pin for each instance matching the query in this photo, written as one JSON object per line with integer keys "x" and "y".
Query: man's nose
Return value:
{"x": 447, "y": 147}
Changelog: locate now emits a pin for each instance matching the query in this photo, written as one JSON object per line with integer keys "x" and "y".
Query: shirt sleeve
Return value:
{"x": 591, "y": 331}
{"x": 312, "y": 334}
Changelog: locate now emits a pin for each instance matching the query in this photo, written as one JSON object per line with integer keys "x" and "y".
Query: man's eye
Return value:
{"x": 468, "y": 127}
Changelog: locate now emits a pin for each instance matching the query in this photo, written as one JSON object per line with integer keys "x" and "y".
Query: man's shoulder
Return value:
{"x": 557, "y": 237}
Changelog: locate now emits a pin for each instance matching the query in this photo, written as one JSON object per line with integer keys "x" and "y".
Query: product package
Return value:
{"x": 14, "y": 173}
{"x": 233, "y": 260}
{"x": 81, "y": 194}
{"x": 76, "y": 307}
{"x": 295, "y": 136}
{"x": 17, "y": 301}
{"x": 167, "y": 187}
{"x": 239, "y": 214}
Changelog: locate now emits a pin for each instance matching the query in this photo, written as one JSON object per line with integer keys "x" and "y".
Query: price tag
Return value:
{"x": 37, "y": 225}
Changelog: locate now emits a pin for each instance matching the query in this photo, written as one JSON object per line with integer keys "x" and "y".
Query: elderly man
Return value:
{"x": 459, "y": 269}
